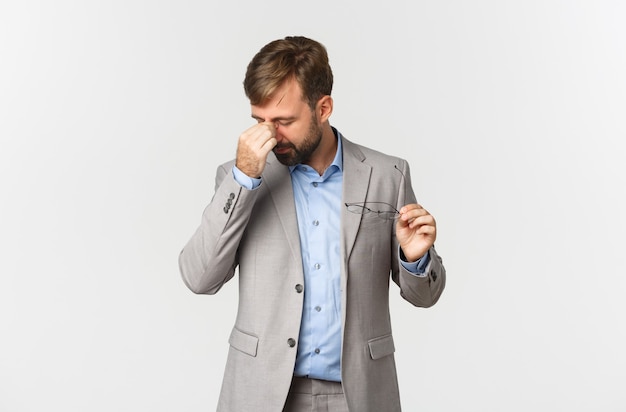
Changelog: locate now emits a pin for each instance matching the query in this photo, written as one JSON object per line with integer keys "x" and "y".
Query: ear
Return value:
{"x": 324, "y": 108}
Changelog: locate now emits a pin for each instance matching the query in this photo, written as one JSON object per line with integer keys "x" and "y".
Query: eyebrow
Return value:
{"x": 275, "y": 119}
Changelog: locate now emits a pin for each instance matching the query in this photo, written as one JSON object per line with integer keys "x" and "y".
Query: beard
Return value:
{"x": 302, "y": 153}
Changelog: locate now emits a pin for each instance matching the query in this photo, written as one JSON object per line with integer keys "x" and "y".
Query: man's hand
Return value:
{"x": 416, "y": 231}
{"x": 254, "y": 146}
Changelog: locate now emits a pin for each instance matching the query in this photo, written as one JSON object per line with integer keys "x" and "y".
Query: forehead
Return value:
{"x": 285, "y": 101}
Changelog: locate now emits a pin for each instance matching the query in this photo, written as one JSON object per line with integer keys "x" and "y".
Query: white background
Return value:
{"x": 114, "y": 116}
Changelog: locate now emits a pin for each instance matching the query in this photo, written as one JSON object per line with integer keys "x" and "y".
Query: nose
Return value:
{"x": 277, "y": 134}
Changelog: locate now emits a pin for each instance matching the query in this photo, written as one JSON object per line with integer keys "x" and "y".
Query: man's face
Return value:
{"x": 298, "y": 130}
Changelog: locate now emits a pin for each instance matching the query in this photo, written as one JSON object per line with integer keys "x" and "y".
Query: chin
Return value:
{"x": 287, "y": 160}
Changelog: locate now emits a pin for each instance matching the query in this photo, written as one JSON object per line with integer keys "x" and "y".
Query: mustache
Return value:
{"x": 284, "y": 146}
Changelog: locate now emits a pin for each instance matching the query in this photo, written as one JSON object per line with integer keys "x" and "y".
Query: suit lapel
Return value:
{"x": 356, "y": 178}
{"x": 278, "y": 180}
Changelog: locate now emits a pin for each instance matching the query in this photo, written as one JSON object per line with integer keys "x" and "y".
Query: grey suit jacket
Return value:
{"x": 257, "y": 232}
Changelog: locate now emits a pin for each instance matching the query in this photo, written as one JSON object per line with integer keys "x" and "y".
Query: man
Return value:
{"x": 316, "y": 226}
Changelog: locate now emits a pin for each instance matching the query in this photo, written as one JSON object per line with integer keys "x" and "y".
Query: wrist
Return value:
{"x": 410, "y": 258}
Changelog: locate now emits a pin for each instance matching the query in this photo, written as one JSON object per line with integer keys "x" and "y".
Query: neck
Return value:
{"x": 325, "y": 152}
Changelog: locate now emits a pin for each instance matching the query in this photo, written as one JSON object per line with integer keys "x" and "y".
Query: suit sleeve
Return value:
{"x": 422, "y": 291}
{"x": 209, "y": 258}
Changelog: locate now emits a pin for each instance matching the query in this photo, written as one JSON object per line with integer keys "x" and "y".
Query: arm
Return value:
{"x": 210, "y": 257}
{"x": 416, "y": 231}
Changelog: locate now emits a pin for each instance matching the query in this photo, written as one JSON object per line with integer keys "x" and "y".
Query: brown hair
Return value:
{"x": 292, "y": 57}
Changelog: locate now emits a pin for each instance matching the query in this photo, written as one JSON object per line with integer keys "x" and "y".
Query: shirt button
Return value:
{"x": 317, "y": 350}
{"x": 299, "y": 288}
{"x": 317, "y": 308}
{"x": 314, "y": 184}
{"x": 291, "y": 342}
{"x": 316, "y": 223}
{"x": 317, "y": 266}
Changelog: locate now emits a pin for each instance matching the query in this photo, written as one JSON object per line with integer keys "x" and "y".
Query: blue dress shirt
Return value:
{"x": 318, "y": 208}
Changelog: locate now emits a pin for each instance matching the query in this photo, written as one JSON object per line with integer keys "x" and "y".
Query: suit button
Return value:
{"x": 232, "y": 196}
{"x": 225, "y": 209}
{"x": 291, "y": 342}
{"x": 299, "y": 288}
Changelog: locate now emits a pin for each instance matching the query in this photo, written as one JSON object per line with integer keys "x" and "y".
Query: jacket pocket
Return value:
{"x": 381, "y": 346}
{"x": 243, "y": 342}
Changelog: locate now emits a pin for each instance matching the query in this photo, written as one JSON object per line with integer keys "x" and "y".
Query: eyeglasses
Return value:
{"x": 383, "y": 210}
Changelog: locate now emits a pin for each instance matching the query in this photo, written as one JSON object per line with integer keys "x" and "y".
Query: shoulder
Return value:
{"x": 371, "y": 156}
